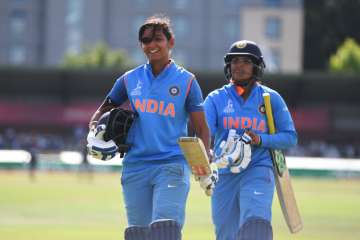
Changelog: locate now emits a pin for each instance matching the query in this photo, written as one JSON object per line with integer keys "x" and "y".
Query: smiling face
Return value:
{"x": 241, "y": 68}
{"x": 156, "y": 46}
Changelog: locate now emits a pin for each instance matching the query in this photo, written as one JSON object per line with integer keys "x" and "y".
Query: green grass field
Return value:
{"x": 64, "y": 206}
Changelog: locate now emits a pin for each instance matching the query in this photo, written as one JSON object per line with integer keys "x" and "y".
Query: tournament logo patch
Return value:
{"x": 262, "y": 108}
{"x": 174, "y": 90}
{"x": 137, "y": 91}
{"x": 229, "y": 107}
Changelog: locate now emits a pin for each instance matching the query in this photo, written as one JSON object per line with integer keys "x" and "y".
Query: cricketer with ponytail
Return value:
{"x": 242, "y": 199}
{"x": 155, "y": 177}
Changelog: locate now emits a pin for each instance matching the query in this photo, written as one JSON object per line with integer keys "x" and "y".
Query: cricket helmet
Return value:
{"x": 245, "y": 48}
{"x": 117, "y": 125}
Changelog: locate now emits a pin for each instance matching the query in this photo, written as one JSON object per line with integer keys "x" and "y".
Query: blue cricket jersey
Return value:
{"x": 225, "y": 110}
{"x": 163, "y": 103}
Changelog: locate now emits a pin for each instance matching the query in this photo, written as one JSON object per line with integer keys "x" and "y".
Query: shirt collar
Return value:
{"x": 170, "y": 64}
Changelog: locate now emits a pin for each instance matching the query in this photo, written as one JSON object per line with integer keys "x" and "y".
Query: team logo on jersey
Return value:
{"x": 174, "y": 90}
{"x": 241, "y": 44}
{"x": 237, "y": 122}
{"x": 155, "y": 107}
{"x": 137, "y": 91}
{"x": 229, "y": 107}
{"x": 262, "y": 109}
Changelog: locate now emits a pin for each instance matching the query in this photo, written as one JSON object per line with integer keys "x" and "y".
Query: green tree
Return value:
{"x": 347, "y": 58}
{"x": 327, "y": 24}
{"x": 96, "y": 57}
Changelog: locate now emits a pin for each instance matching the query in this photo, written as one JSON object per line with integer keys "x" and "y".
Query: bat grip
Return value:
{"x": 268, "y": 112}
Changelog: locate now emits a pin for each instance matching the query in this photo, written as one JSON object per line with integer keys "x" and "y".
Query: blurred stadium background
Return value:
{"x": 56, "y": 67}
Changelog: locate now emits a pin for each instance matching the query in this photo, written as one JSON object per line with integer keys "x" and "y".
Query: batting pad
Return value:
{"x": 165, "y": 229}
{"x": 137, "y": 233}
{"x": 255, "y": 229}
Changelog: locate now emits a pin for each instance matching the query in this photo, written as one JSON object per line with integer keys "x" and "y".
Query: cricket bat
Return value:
{"x": 284, "y": 188}
{"x": 195, "y": 154}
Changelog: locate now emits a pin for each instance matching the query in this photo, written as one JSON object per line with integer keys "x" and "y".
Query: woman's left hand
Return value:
{"x": 255, "y": 139}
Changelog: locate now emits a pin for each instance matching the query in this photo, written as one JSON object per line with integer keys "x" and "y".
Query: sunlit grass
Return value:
{"x": 65, "y": 206}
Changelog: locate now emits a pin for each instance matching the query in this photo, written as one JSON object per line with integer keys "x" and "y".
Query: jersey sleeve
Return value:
{"x": 118, "y": 93}
{"x": 285, "y": 136}
{"x": 194, "y": 99}
{"x": 211, "y": 114}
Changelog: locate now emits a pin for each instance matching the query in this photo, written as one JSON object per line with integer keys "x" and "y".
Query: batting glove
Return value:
{"x": 241, "y": 157}
{"x": 236, "y": 153}
{"x": 97, "y": 147}
{"x": 225, "y": 147}
{"x": 208, "y": 182}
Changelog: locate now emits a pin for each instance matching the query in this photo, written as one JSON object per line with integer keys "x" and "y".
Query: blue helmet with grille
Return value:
{"x": 245, "y": 48}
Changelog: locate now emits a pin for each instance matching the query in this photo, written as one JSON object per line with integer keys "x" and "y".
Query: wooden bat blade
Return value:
{"x": 286, "y": 196}
{"x": 284, "y": 188}
{"x": 195, "y": 154}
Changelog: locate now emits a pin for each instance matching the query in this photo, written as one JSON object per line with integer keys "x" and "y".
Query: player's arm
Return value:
{"x": 201, "y": 128}
{"x": 285, "y": 136}
{"x": 211, "y": 115}
{"x": 115, "y": 97}
{"x": 194, "y": 105}
{"x": 97, "y": 147}
{"x": 106, "y": 106}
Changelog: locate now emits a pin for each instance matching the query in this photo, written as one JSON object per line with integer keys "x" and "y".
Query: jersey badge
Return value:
{"x": 174, "y": 91}
{"x": 262, "y": 109}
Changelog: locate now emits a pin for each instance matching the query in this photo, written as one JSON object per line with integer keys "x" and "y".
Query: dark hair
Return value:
{"x": 157, "y": 23}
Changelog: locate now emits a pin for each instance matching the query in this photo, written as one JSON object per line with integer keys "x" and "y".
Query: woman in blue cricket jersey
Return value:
{"x": 155, "y": 176}
{"x": 242, "y": 200}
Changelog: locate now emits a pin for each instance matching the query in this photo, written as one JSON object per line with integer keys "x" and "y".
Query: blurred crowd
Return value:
{"x": 43, "y": 142}
{"x": 317, "y": 148}
{"x": 75, "y": 140}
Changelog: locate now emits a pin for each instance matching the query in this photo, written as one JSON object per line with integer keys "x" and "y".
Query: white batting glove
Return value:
{"x": 208, "y": 182}
{"x": 236, "y": 152}
{"x": 221, "y": 162}
{"x": 99, "y": 131}
{"x": 98, "y": 148}
{"x": 241, "y": 157}
{"x": 224, "y": 149}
